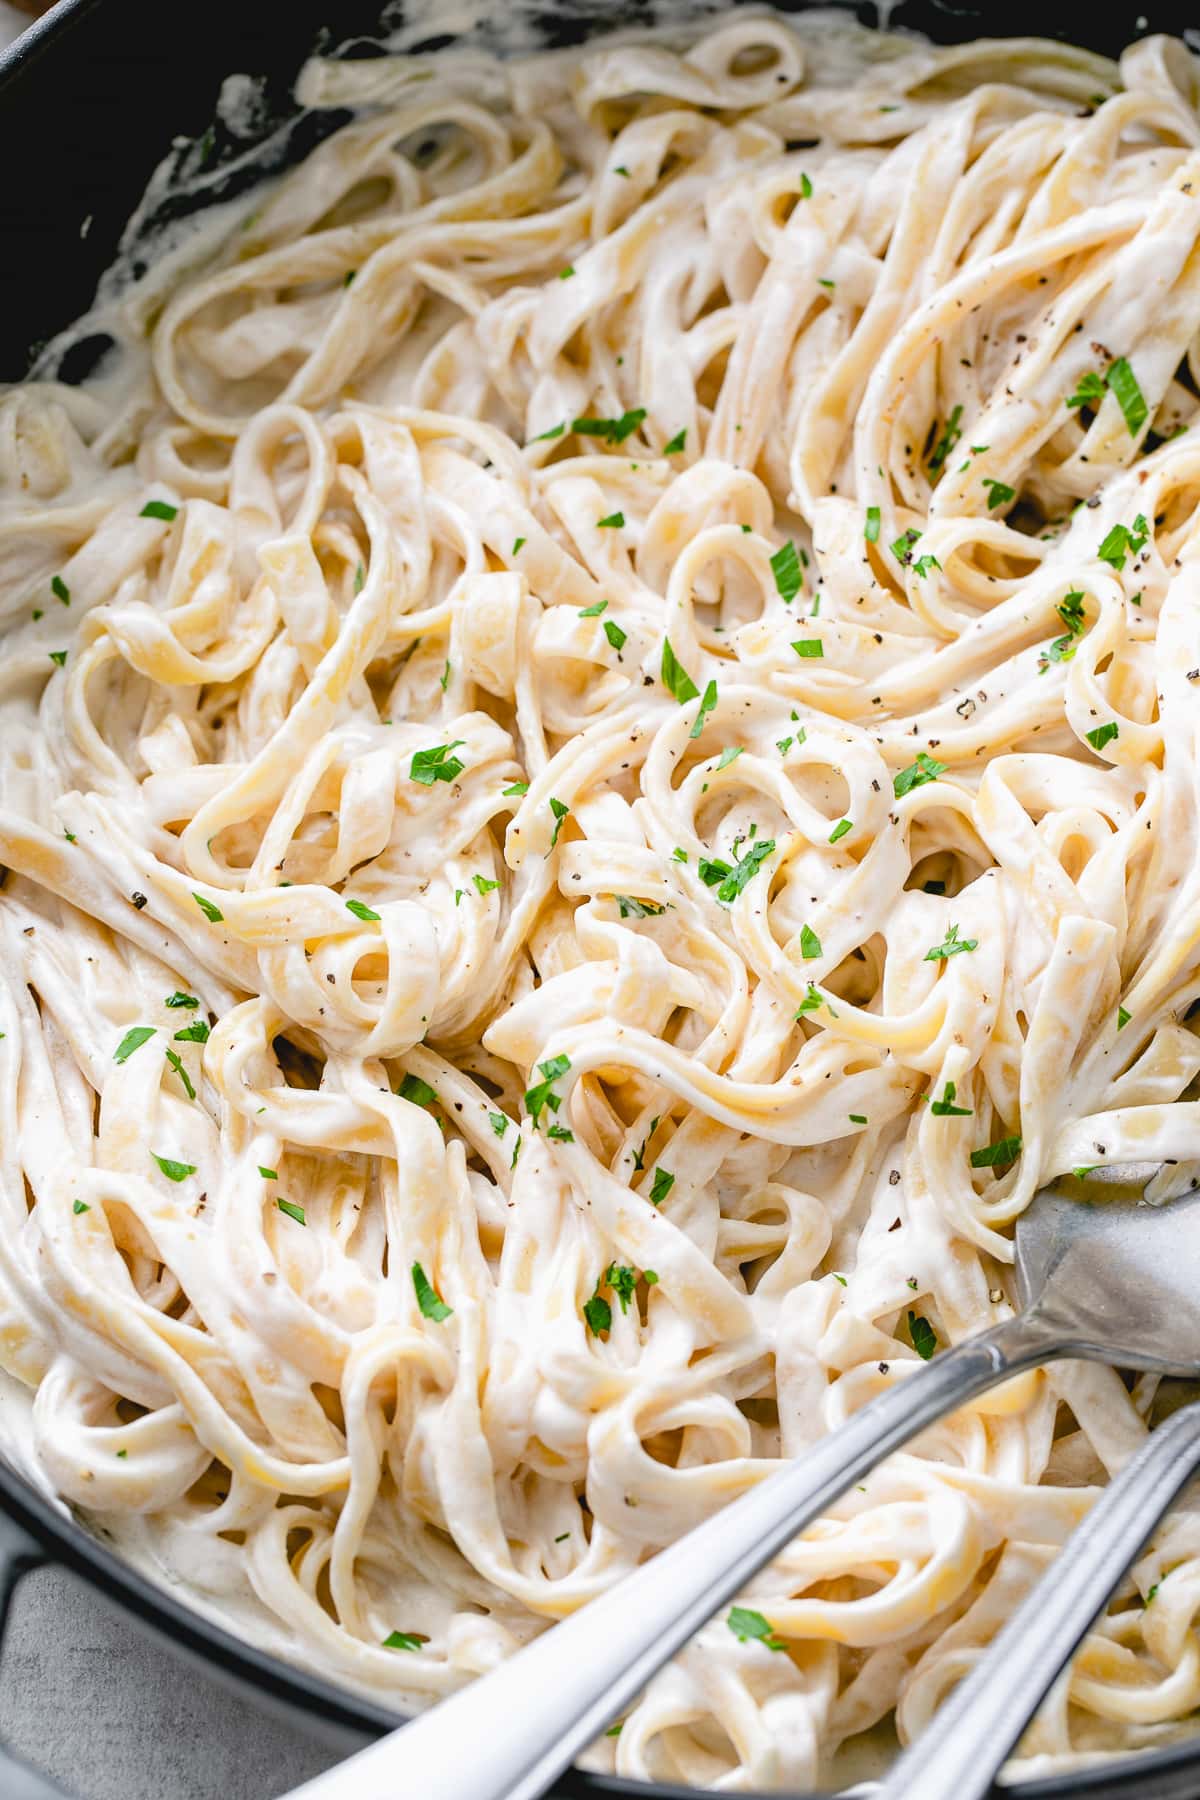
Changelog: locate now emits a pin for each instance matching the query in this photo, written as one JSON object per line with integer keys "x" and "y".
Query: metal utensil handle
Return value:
{"x": 958, "y": 1755}
{"x": 508, "y": 1735}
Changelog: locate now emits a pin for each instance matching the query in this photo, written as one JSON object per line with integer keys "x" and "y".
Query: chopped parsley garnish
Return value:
{"x": 675, "y": 677}
{"x": 750, "y": 1627}
{"x": 871, "y": 528}
{"x": 593, "y": 612}
{"x": 1002, "y": 1151}
{"x": 810, "y": 944}
{"x": 729, "y": 755}
{"x": 438, "y": 763}
{"x": 359, "y": 579}
{"x": 679, "y": 855}
{"x": 636, "y": 909}
{"x": 945, "y": 1107}
{"x": 561, "y": 1133}
{"x": 622, "y": 1280}
{"x": 195, "y": 1033}
{"x": 418, "y": 1091}
{"x": 60, "y": 590}
{"x": 1121, "y": 381}
{"x": 998, "y": 492}
{"x": 560, "y": 811}
{"x": 566, "y": 274}
{"x": 614, "y": 634}
{"x": 403, "y": 1640}
{"x": 483, "y": 885}
{"x": 1124, "y": 384}
{"x": 953, "y": 945}
{"x": 212, "y": 913}
{"x": 924, "y": 1337}
{"x": 58, "y": 656}
{"x": 133, "y": 1040}
{"x": 1090, "y": 391}
{"x": 517, "y": 543}
{"x": 639, "y": 1155}
{"x": 812, "y": 1001}
{"x": 444, "y": 680}
{"x": 180, "y": 999}
{"x": 542, "y": 1093}
{"x": 924, "y": 564}
{"x": 806, "y": 188}
{"x": 361, "y": 910}
{"x": 174, "y": 1171}
{"x": 1070, "y": 611}
{"x": 785, "y": 565}
{"x": 517, "y": 787}
{"x": 292, "y": 1210}
{"x": 736, "y": 879}
{"x": 840, "y": 829}
{"x": 176, "y": 1062}
{"x": 612, "y": 520}
{"x": 80, "y": 1206}
{"x": 925, "y": 769}
{"x": 268, "y": 1174}
{"x": 1103, "y": 734}
{"x": 555, "y": 431}
{"x": 613, "y": 431}
{"x": 677, "y": 443}
{"x": 1121, "y": 541}
{"x": 661, "y": 1186}
{"x": 902, "y": 547}
{"x": 158, "y": 509}
{"x": 1123, "y": 1018}
{"x": 598, "y": 1313}
{"x": 809, "y": 647}
{"x": 705, "y": 707}
{"x": 428, "y": 1299}
{"x": 946, "y": 442}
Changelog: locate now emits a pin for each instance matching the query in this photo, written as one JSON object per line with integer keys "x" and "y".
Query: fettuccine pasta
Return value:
{"x": 598, "y": 781}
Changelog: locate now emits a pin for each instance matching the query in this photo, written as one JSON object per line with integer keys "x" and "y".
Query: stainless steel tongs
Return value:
{"x": 1101, "y": 1275}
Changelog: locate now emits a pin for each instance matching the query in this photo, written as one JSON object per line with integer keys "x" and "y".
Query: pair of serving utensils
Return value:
{"x": 1101, "y": 1275}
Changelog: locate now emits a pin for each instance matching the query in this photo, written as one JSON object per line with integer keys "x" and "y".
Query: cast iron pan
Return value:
{"x": 91, "y": 100}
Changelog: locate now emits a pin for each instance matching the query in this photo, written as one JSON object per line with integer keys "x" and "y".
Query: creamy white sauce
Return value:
{"x": 747, "y": 1091}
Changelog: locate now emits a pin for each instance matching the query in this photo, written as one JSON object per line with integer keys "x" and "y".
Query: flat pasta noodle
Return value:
{"x": 598, "y": 756}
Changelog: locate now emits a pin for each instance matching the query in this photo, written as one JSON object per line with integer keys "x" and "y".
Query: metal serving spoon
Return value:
{"x": 1100, "y": 1275}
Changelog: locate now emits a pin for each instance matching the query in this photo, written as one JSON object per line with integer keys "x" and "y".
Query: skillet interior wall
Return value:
{"x": 88, "y": 112}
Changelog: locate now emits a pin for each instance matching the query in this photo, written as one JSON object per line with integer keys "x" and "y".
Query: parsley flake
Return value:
{"x": 428, "y": 1299}
{"x": 924, "y": 1337}
{"x": 133, "y": 1040}
{"x": 174, "y": 1171}
{"x": 675, "y": 677}
{"x": 925, "y": 769}
{"x": 1002, "y": 1151}
{"x": 661, "y": 1186}
{"x": 748, "y": 1627}
{"x": 945, "y": 1107}
{"x": 785, "y": 565}
{"x": 437, "y": 763}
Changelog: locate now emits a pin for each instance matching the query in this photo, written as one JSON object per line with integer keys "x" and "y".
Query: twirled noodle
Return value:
{"x": 599, "y": 779}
